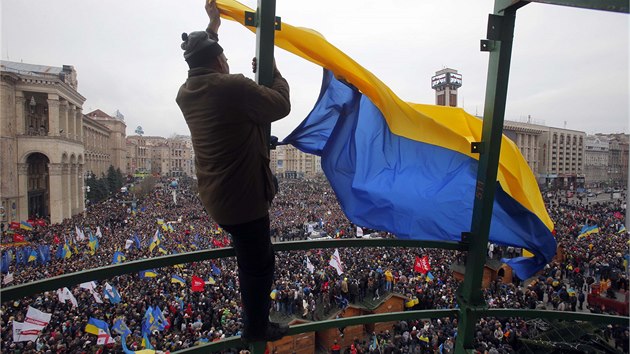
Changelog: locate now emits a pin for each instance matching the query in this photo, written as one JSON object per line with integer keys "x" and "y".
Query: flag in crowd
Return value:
{"x": 137, "y": 241}
{"x": 430, "y": 276}
{"x": 120, "y": 327}
{"x": 25, "y": 225}
{"x": 335, "y": 262}
{"x": 80, "y": 235}
{"x": 422, "y": 265}
{"x": 128, "y": 244}
{"x": 99, "y": 234}
{"x": 197, "y": 283}
{"x": 215, "y": 270}
{"x": 111, "y": 292}
{"x": 588, "y": 230}
{"x": 176, "y": 279}
{"x": 65, "y": 294}
{"x": 119, "y": 257}
{"x": 100, "y": 329}
{"x": 149, "y": 273}
{"x": 309, "y": 265}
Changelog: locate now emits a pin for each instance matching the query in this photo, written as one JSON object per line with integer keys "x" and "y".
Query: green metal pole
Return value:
{"x": 500, "y": 33}
{"x": 265, "y": 27}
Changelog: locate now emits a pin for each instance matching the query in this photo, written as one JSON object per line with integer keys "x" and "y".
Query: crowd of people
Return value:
{"x": 369, "y": 275}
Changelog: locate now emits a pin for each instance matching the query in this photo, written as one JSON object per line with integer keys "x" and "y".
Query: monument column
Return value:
{"x": 65, "y": 189}
{"x": 53, "y": 117}
{"x": 56, "y": 197}
{"x": 63, "y": 119}
{"x": 74, "y": 192}
{"x": 78, "y": 114}
{"x": 22, "y": 191}
{"x": 20, "y": 118}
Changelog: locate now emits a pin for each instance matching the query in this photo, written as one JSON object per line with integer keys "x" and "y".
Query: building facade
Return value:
{"x": 289, "y": 162}
{"x": 41, "y": 142}
{"x": 527, "y": 138}
{"x": 114, "y": 144}
{"x": 618, "y": 159}
{"x": 159, "y": 156}
{"x": 596, "y": 157}
{"x": 562, "y": 158}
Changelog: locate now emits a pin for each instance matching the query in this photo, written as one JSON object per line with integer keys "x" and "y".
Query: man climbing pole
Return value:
{"x": 227, "y": 115}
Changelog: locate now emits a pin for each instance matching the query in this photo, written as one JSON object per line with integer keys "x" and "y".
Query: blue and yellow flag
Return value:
{"x": 408, "y": 168}
{"x": 588, "y": 230}
{"x": 32, "y": 256}
{"x": 149, "y": 273}
{"x": 176, "y": 279}
{"x": 25, "y": 225}
{"x": 66, "y": 253}
{"x": 94, "y": 325}
{"x": 119, "y": 257}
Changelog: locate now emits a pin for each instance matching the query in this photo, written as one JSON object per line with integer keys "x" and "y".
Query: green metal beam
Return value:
{"x": 107, "y": 272}
{"x": 620, "y": 6}
{"x": 500, "y": 34}
{"x": 556, "y": 315}
{"x": 265, "y": 36}
{"x": 235, "y": 342}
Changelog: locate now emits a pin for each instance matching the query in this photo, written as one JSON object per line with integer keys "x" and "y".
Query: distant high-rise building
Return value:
{"x": 445, "y": 83}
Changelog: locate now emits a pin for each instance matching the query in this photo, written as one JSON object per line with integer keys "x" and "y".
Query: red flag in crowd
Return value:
{"x": 18, "y": 238}
{"x": 197, "y": 283}
{"x": 421, "y": 265}
{"x": 14, "y": 225}
{"x": 56, "y": 240}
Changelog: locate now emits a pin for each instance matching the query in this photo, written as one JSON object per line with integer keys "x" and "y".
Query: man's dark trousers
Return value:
{"x": 256, "y": 263}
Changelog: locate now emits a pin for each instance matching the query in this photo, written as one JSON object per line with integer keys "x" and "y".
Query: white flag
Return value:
{"x": 80, "y": 234}
{"x": 65, "y": 294}
{"x": 37, "y": 317}
{"x": 24, "y": 332}
{"x": 7, "y": 278}
{"x": 98, "y": 232}
{"x": 359, "y": 232}
{"x": 335, "y": 262}
{"x": 104, "y": 337}
{"x": 91, "y": 285}
{"x": 128, "y": 244}
{"x": 309, "y": 265}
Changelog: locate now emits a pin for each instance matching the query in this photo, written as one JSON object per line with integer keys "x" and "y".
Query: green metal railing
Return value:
{"x": 472, "y": 305}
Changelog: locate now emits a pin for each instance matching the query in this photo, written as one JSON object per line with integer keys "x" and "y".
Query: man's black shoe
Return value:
{"x": 274, "y": 332}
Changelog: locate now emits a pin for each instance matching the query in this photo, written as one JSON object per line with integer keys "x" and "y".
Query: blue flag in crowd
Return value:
{"x": 120, "y": 327}
{"x": 118, "y": 257}
{"x": 112, "y": 293}
{"x": 137, "y": 240}
{"x": 215, "y": 270}
{"x": 160, "y": 320}
{"x": 4, "y": 266}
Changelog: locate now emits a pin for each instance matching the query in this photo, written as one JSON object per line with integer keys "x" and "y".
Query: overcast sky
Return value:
{"x": 569, "y": 66}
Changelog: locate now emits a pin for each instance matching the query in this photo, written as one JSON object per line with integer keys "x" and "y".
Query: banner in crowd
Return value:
{"x": 335, "y": 262}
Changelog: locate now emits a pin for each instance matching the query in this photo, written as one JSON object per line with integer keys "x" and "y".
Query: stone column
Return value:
{"x": 74, "y": 192}
{"x": 53, "y": 117}
{"x": 20, "y": 118}
{"x": 79, "y": 125}
{"x": 65, "y": 189}
{"x": 22, "y": 191}
{"x": 56, "y": 197}
{"x": 81, "y": 188}
{"x": 63, "y": 118}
